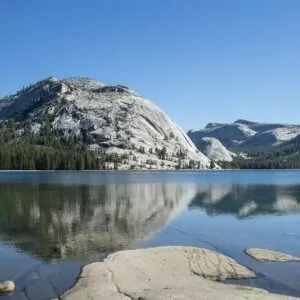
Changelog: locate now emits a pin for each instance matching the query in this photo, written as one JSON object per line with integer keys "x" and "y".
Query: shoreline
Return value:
{"x": 150, "y": 170}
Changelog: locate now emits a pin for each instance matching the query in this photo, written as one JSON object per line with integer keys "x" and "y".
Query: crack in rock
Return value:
{"x": 118, "y": 289}
{"x": 214, "y": 266}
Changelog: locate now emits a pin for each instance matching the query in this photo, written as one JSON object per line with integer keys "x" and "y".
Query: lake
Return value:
{"x": 53, "y": 223}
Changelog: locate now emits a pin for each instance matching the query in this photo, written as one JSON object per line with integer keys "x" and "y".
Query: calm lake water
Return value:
{"x": 52, "y": 223}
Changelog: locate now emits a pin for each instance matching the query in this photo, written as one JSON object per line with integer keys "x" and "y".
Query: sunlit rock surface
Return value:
{"x": 114, "y": 118}
{"x": 270, "y": 255}
{"x": 214, "y": 149}
{"x": 164, "y": 273}
{"x": 243, "y": 133}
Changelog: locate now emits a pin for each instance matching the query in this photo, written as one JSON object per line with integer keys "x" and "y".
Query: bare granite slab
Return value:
{"x": 270, "y": 255}
{"x": 184, "y": 273}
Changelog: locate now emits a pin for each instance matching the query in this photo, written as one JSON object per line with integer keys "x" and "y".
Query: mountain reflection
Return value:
{"x": 56, "y": 221}
{"x": 53, "y": 221}
{"x": 245, "y": 201}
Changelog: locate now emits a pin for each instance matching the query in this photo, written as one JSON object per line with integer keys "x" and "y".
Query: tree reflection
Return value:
{"x": 59, "y": 221}
{"x": 54, "y": 221}
{"x": 245, "y": 201}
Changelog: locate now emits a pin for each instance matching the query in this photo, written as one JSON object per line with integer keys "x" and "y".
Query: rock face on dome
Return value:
{"x": 110, "y": 117}
{"x": 214, "y": 149}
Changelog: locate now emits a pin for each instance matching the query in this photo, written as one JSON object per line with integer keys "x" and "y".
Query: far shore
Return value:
{"x": 153, "y": 171}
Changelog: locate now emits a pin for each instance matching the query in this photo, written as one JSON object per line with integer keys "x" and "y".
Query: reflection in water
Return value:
{"x": 53, "y": 221}
{"x": 69, "y": 218}
{"x": 247, "y": 200}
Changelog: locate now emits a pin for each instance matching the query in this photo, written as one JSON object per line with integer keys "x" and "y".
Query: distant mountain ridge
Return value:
{"x": 244, "y": 133}
{"x": 250, "y": 145}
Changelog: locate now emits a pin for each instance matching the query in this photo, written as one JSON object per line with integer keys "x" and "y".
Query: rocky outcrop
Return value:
{"x": 269, "y": 255}
{"x": 164, "y": 273}
{"x": 7, "y": 287}
{"x": 114, "y": 118}
{"x": 214, "y": 149}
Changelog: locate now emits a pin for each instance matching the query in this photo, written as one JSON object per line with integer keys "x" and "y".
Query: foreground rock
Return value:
{"x": 269, "y": 255}
{"x": 164, "y": 273}
{"x": 7, "y": 286}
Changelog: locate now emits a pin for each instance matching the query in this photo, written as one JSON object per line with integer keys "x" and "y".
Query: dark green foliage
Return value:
{"x": 161, "y": 153}
{"x": 141, "y": 149}
{"x": 262, "y": 163}
{"x": 181, "y": 154}
{"x": 284, "y": 156}
{"x": 23, "y": 150}
{"x": 191, "y": 164}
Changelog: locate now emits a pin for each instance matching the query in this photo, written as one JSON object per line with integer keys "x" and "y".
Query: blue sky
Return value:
{"x": 200, "y": 61}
